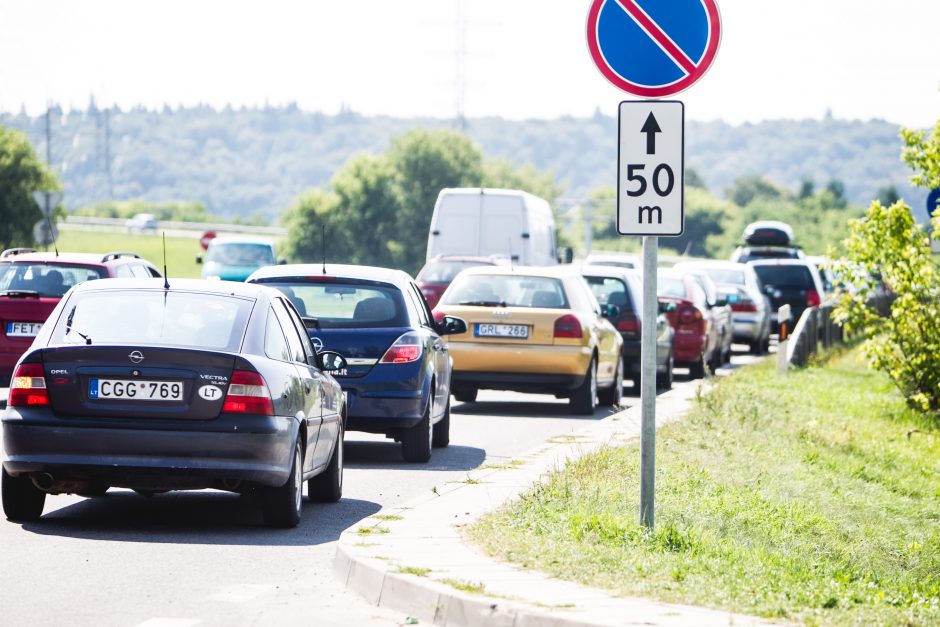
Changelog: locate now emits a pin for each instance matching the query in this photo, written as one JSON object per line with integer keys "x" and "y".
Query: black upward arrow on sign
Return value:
{"x": 651, "y": 127}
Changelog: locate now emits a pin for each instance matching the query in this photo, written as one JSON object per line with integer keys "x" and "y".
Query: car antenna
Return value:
{"x": 55, "y": 246}
{"x": 323, "y": 244}
{"x": 166, "y": 280}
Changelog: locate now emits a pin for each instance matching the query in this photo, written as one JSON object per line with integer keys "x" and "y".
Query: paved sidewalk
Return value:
{"x": 401, "y": 557}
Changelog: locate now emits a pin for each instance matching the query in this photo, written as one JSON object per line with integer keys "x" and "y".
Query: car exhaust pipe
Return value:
{"x": 231, "y": 484}
{"x": 44, "y": 481}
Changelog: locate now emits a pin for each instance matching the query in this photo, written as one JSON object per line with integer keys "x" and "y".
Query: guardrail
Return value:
{"x": 200, "y": 227}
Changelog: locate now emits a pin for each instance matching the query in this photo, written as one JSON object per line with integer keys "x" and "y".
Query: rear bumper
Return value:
{"x": 254, "y": 449}
{"x": 536, "y": 383}
{"x": 747, "y": 327}
{"x": 388, "y": 398}
{"x": 688, "y": 347}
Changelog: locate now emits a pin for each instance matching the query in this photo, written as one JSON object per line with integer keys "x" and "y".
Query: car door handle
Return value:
{"x": 307, "y": 387}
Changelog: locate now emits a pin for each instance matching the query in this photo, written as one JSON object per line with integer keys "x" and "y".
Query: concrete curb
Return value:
{"x": 412, "y": 558}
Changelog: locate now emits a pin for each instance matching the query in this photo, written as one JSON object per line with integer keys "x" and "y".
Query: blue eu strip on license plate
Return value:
{"x": 93, "y": 388}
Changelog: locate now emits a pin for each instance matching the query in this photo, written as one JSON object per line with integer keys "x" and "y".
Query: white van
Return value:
{"x": 482, "y": 222}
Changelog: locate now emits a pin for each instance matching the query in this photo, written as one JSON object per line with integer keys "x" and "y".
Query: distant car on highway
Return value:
{"x": 750, "y": 310}
{"x": 141, "y": 222}
{"x": 619, "y": 260}
{"x": 31, "y": 284}
{"x": 767, "y": 239}
{"x": 533, "y": 329}
{"x": 793, "y": 282}
{"x": 157, "y": 387}
{"x": 398, "y": 372}
{"x": 438, "y": 273}
{"x": 623, "y": 287}
{"x": 720, "y": 309}
{"x": 697, "y": 342}
{"x": 234, "y": 258}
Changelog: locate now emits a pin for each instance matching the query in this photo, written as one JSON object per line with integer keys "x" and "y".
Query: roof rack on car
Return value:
{"x": 9, "y": 252}
{"x": 117, "y": 255}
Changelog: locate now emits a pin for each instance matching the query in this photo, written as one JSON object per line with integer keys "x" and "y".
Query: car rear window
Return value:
{"x": 725, "y": 277}
{"x": 241, "y": 254}
{"x": 488, "y": 290}
{"x": 156, "y": 318}
{"x": 769, "y": 253}
{"x": 785, "y": 276}
{"x": 444, "y": 271}
{"x": 611, "y": 291}
{"x": 347, "y": 305}
{"x": 46, "y": 279}
{"x": 671, "y": 286}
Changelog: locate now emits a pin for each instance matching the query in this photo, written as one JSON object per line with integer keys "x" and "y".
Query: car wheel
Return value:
{"x": 281, "y": 506}
{"x": 664, "y": 380}
{"x": 22, "y": 501}
{"x": 327, "y": 487}
{"x": 441, "y": 431}
{"x": 697, "y": 368}
{"x": 416, "y": 441}
{"x": 584, "y": 399}
{"x": 614, "y": 394}
{"x": 466, "y": 395}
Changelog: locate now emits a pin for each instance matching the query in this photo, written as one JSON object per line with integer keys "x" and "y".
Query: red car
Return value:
{"x": 438, "y": 273}
{"x": 697, "y": 343}
{"x": 32, "y": 283}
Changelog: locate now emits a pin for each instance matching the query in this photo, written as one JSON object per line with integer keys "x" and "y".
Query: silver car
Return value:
{"x": 751, "y": 318}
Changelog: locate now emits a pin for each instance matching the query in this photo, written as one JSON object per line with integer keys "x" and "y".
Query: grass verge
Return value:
{"x": 813, "y": 498}
{"x": 180, "y": 251}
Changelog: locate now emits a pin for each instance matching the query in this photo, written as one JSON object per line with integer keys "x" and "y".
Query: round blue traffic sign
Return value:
{"x": 933, "y": 198}
{"x": 653, "y": 48}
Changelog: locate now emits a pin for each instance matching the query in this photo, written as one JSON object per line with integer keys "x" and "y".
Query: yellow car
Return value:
{"x": 536, "y": 330}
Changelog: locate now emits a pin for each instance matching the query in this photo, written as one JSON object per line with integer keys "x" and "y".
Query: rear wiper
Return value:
{"x": 20, "y": 293}
{"x": 68, "y": 328}
{"x": 483, "y": 303}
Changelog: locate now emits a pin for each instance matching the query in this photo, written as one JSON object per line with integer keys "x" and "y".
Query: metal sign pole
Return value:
{"x": 648, "y": 383}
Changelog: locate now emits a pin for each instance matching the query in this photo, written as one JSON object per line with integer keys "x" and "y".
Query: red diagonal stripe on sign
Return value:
{"x": 659, "y": 36}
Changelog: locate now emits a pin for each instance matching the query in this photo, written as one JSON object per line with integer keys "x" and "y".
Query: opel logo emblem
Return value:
{"x": 317, "y": 344}
{"x": 136, "y": 357}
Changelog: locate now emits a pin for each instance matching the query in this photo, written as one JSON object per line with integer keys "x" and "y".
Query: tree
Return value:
{"x": 888, "y": 195}
{"x": 748, "y": 188}
{"x": 21, "y": 174}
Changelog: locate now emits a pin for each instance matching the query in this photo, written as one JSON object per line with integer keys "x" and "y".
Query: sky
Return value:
{"x": 855, "y": 59}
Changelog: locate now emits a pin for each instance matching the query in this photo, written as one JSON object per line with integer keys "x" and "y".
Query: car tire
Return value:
{"x": 583, "y": 400}
{"x": 697, "y": 369}
{"x": 281, "y": 506}
{"x": 664, "y": 380}
{"x": 466, "y": 395}
{"x": 22, "y": 501}
{"x": 327, "y": 487}
{"x": 440, "y": 437}
{"x": 612, "y": 396}
{"x": 416, "y": 441}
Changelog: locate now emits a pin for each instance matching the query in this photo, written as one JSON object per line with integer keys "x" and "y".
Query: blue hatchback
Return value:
{"x": 397, "y": 377}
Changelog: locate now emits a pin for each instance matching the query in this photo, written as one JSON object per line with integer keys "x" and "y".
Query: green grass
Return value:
{"x": 414, "y": 570}
{"x": 368, "y": 531}
{"x": 180, "y": 251}
{"x": 386, "y": 517}
{"x": 813, "y": 498}
{"x": 473, "y": 587}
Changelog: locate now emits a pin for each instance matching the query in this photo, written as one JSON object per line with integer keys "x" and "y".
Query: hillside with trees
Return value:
{"x": 254, "y": 163}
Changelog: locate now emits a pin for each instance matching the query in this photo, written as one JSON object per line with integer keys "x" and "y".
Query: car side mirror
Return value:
{"x": 666, "y": 306}
{"x": 721, "y": 302}
{"x": 566, "y": 255}
{"x": 198, "y": 258}
{"x": 282, "y": 262}
{"x": 611, "y": 312}
{"x": 310, "y": 323}
{"x": 452, "y": 325}
{"x": 330, "y": 361}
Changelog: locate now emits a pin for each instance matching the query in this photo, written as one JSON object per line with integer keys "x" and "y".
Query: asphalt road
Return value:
{"x": 204, "y": 558}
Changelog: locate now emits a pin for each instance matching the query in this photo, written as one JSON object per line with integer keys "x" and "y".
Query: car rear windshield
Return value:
{"x": 241, "y": 254}
{"x": 785, "y": 276}
{"x": 154, "y": 318}
{"x": 46, "y": 279}
{"x": 444, "y": 271}
{"x": 611, "y": 291}
{"x": 725, "y": 277}
{"x": 769, "y": 253}
{"x": 347, "y": 305}
{"x": 486, "y": 290}
{"x": 671, "y": 286}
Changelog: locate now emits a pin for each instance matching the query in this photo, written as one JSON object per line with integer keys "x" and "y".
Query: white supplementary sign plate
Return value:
{"x": 650, "y": 167}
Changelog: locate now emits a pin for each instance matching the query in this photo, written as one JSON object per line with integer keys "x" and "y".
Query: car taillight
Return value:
{"x": 688, "y": 314}
{"x": 812, "y": 298}
{"x": 438, "y": 316}
{"x": 568, "y": 326}
{"x": 28, "y": 387}
{"x": 406, "y": 349}
{"x": 628, "y": 323}
{"x": 744, "y": 305}
{"x": 248, "y": 394}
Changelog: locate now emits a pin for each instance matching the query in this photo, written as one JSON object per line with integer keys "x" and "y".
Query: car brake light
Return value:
{"x": 28, "y": 387}
{"x": 438, "y": 316}
{"x": 248, "y": 394}
{"x": 689, "y": 314}
{"x": 406, "y": 349}
{"x": 628, "y": 323}
{"x": 568, "y": 326}
{"x": 744, "y": 305}
{"x": 812, "y": 298}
